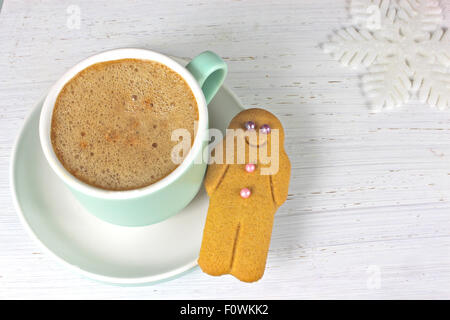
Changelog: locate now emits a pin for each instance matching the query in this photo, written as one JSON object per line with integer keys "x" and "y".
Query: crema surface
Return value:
{"x": 112, "y": 123}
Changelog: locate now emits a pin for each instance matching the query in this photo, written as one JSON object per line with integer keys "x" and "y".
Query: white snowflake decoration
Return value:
{"x": 404, "y": 48}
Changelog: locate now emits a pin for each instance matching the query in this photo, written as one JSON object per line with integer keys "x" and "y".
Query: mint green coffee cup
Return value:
{"x": 161, "y": 200}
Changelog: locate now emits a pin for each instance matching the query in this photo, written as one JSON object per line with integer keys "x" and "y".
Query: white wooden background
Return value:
{"x": 369, "y": 192}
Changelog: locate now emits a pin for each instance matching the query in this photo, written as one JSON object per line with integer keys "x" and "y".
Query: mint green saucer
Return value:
{"x": 97, "y": 249}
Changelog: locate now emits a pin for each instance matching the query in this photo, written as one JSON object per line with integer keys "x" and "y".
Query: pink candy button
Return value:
{"x": 245, "y": 193}
{"x": 250, "y": 167}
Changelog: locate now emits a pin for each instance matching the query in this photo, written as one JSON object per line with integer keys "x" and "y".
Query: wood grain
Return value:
{"x": 369, "y": 191}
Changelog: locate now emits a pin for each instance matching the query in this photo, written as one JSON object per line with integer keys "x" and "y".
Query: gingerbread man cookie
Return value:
{"x": 244, "y": 196}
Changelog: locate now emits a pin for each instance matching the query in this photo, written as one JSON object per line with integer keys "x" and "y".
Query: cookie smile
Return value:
{"x": 255, "y": 145}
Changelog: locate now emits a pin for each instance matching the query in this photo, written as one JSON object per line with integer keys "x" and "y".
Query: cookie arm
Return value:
{"x": 216, "y": 172}
{"x": 280, "y": 180}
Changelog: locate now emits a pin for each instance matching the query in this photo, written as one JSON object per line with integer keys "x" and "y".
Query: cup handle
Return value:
{"x": 209, "y": 70}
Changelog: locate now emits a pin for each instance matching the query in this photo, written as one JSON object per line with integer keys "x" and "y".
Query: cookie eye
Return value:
{"x": 250, "y": 125}
{"x": 265, "y": 129}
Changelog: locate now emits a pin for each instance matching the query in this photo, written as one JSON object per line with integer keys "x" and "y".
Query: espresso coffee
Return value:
{"x": 112, "y": 123}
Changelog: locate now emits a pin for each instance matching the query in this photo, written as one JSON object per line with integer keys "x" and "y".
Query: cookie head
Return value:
{"x": 259, "y": 121}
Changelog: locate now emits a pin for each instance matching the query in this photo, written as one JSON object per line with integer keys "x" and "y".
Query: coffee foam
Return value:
{"x": 112, "y": 123}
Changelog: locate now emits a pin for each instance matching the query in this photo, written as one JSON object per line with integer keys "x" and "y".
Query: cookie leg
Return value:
{"x": 251, "y": 249}
{"x": 219, "y": 237}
